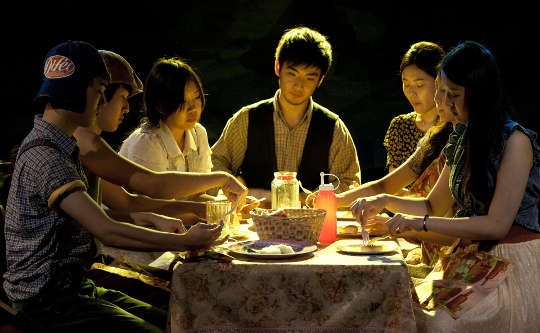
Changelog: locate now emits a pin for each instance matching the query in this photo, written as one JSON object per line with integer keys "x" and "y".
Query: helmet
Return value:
{"x": 121, "y": 71}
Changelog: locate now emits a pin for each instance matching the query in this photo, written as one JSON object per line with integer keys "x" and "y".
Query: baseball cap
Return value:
{"x": 121, "y": 71}
{"x": 68, "y": 69}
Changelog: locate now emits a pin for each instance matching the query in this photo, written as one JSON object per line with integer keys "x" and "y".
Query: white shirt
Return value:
{"x": 156, "y": 149}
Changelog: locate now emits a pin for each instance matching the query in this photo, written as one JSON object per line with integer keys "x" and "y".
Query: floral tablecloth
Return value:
{"x": 324, "y": 292}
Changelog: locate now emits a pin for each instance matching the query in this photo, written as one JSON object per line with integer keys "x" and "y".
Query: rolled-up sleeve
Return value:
{"x": 54, "y": 176}
{"x": 229, "y": 150}
{"x": 343, "y": 158}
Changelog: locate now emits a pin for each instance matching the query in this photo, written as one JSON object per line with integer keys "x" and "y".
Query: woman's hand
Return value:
{"x": 401, "y": 223}
{"x": 365, "y": 208}
{"x": 159, "y": 222}
{"x": 377, "y": 225}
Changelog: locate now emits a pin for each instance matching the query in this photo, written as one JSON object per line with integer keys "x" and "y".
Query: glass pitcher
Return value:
{"x": 285, "y": 190}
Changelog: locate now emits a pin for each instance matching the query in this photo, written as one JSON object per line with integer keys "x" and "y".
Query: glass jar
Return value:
{"x": 285, "y": 190}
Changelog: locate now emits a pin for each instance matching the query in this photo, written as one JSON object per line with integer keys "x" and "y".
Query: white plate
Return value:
{"x": 360, "y": 248}
{"x": 246, "y": 248}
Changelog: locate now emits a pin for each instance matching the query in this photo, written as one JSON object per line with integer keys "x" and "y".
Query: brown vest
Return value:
{"x": 260, "y": 161}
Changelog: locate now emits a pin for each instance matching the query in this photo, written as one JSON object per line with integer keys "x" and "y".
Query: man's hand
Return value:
{"x": 159, "y": 222}
{"x": 310, "y": 200}
{"x": 262, "y": 193}
{"x": 203, "y": 235}
{"x": 234, "y": 190}
{"x": 251, "y": 203}
{"x": 189, "y": 218}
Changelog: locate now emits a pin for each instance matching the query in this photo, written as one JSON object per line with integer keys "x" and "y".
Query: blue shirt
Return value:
{"x": 40, "y": 238}
{"x": 527, "y": 215}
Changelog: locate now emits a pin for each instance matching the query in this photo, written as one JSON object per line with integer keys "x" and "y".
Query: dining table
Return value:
{"x": 327, "y": 289}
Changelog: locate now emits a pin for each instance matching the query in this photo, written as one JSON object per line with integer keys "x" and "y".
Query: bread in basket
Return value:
{"x": 302, "y": 224}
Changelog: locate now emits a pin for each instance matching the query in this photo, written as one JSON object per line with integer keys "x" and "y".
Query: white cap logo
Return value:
{"x": 58, "y": 67}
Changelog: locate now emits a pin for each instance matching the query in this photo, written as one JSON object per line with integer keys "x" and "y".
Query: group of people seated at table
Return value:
{"x": 463, "y": 181}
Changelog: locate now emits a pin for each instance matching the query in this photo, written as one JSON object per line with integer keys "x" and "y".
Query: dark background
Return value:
{"x": 231, "y": 45}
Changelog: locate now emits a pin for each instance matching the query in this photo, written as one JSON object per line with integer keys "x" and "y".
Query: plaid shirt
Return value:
{"x": 228, "y": 152}
{"x": 40, "y": 237}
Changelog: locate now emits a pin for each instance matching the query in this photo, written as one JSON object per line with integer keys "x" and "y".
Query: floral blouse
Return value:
{"x": 401, "y": 139}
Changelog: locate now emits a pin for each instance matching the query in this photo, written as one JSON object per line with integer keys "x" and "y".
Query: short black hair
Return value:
{"x": 164, "y": 88}
{"x": 304, "y": 46}
{"x": 111, "y": 90}
{"x": 76, "y": 103}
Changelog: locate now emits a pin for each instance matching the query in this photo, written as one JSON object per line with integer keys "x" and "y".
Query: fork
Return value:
{"x": 365, "y": 236}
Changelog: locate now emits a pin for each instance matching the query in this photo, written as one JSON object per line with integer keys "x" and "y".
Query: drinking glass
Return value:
{"x": 215, "y": 210}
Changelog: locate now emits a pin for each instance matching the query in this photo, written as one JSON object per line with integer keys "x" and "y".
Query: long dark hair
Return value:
{"x": 473, "y": 66}
{"x": 433, "y": 142}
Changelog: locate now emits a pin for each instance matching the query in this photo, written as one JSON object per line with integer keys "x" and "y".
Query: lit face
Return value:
{"x": 189, "y": 113}
{"x": 297, "y": 83}
{"x": 450, "y": 100}
{"x": 113, "y": 112}
{"x": 419, "y": 88}
{"x": 95, "y": 100}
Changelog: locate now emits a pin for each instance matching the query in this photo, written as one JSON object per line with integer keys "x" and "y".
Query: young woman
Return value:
{"x": 418, "y": 70}
{"x": 422, "y": 168}
{"x": 171, "y": 138}
{"x": 492, "y": 174}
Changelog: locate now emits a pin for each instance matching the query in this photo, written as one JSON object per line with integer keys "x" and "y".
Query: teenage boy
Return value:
{"x": 290, "y": 132}
{"x": 51, "y": 221}
{"x": 124, "y": 205}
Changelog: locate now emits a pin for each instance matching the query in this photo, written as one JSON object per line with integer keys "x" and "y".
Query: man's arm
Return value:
{"x": 86, "y": 212}
{"x": 103, "y": 161}
{"x": 118, "y": 199}
{"x": 343, "y": 159}
{"x": 229, "y": 150}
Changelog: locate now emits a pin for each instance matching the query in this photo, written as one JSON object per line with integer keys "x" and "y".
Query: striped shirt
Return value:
{"x": 40, "y": 237}
{"x": 229, "y": 151}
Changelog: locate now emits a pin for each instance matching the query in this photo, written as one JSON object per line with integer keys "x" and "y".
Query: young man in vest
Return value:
{"x": 51, "y": 221}
{"x": 290, "y": 132}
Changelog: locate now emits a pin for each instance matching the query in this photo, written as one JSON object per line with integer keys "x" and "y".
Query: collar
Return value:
{"x": 170, "y": 143}
{"x": 66, "y": 144}
{"x": 277, "y": 108}
{"x": 190, "y": 143}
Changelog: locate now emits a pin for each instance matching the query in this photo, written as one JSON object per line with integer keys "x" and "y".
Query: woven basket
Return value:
{"x": 302, "y": 224}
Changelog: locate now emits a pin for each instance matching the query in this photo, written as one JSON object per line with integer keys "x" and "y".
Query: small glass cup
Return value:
{"x": 215, "y": 210}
